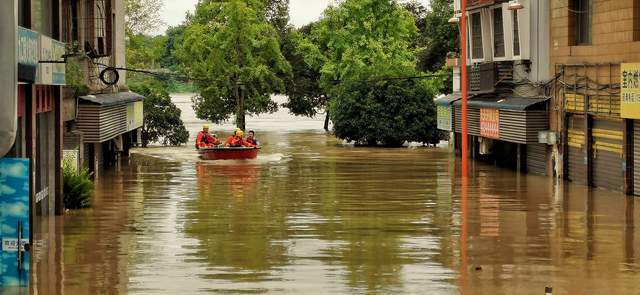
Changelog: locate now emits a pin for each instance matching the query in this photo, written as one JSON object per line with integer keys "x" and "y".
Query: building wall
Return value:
{"x": 614, "y": 27}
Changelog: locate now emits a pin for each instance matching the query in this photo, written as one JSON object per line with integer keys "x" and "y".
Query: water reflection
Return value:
{"x": 311, "y": 215}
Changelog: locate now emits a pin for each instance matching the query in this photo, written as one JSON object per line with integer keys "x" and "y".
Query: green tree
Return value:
{"x": 305, "y": 96}
{"x": 277, "y": 13}
{"x": 234, "y": 55}
{"x": 162, "y": 122}
{"x": 142, "y": 16}
{"x": 366, "y": 54}
{"x": 437, "y": 37}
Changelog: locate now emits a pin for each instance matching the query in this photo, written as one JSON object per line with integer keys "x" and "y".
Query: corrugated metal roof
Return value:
{"x": 507, "y": 103}
{"x": 449, "y": 99}
{"x": 109, "y": 99}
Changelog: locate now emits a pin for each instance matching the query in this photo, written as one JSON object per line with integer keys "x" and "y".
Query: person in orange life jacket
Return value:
{"x": 206, "y": 140}
{"x": 236, "y": 140}
{"x": 251, "y": 139}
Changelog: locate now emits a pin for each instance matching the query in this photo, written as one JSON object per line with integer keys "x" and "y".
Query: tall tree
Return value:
{"x": 233, "y": 54}
{"x": 142, "y": 16}
{"x": 437, "y": 37}
{"x": 277, "y": 13}
{"x": 305, "y": 96}
{"x": 365, "y": 48}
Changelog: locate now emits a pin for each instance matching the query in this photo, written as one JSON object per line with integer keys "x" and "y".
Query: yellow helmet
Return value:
{"x": 239, "y": 132}
{"x": 205, "y": 126}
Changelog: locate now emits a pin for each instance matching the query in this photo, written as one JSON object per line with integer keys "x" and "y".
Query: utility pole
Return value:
{"x": 463, "y": 87}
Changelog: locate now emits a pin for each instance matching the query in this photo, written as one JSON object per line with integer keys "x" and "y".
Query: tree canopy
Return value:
{"x": 233, "y": 54}
{"x": 366, "y": 58}
{"x": 142, "y": 16}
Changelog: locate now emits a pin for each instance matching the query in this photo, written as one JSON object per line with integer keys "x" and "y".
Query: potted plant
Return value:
{"x": 453, "y": 59}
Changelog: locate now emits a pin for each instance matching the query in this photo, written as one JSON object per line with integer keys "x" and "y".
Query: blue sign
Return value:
{"x": 14, "y": 222}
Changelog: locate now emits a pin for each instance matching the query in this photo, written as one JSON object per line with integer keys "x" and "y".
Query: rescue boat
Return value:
{"x": 228, "y": 153}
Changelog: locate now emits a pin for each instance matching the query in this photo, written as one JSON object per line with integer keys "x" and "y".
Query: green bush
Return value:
{"x": 162, "y": 122}
{"x": 78, "y": 187}
{"x": 387, "y": 113}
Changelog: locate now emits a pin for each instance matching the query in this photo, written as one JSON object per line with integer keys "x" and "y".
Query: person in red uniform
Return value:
{"x": 206, "y": 140}
{"x": 237, "y": 140}
{"x": 251, "y": 138}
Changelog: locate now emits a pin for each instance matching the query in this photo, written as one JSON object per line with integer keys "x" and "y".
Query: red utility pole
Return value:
{"x": 463, "y": 82}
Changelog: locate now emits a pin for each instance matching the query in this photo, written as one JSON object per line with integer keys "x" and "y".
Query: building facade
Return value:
{"x": 595, "y": 48}
{"x": 508, "y": 78}
{"x": 102, "y": 119}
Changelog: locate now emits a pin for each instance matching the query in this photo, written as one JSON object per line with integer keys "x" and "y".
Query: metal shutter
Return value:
{"x": 576, "y": 167}
{"x": 537, "y": 159}
{"x": 636, "y": 160}
{"x": 608, "y": 153}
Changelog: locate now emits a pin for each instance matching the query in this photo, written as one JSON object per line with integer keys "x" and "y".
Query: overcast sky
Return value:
{"x": 301, "y": 11}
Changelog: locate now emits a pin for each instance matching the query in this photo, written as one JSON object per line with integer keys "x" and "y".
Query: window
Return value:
{"x": 516, "y": 34}
{"x": 42, "y": 17}
{"x": 477, "y": 51}
{"x": 498, "y": 33}
{"x": 580, "y": 21}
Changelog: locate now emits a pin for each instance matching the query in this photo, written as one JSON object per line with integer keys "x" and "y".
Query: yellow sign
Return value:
{"x": 630, "y": 91}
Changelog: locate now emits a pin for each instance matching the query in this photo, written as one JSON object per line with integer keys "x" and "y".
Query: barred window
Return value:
{"x": 476, "y": 36}
{"x": 498, "y": 33}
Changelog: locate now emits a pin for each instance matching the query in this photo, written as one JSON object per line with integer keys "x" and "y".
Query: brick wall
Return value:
{"x": 612, "y": 34}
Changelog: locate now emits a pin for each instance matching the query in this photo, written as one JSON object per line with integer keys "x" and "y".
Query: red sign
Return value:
{"x": 490, "y": 123}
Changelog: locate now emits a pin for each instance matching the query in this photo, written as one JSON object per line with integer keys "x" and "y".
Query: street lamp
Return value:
{"x": 515, "y": 5}
{"x": 454, "y": 20}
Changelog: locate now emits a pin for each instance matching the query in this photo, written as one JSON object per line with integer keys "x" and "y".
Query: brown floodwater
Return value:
{"x": 315, "y": 216}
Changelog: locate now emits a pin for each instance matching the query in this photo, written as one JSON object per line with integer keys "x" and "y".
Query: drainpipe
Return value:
{"x": 9, "y": 76}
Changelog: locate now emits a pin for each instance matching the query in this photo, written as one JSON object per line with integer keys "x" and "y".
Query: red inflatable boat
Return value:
{"x": 228, "y": 153}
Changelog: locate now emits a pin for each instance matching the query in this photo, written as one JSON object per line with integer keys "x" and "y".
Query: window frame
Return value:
{"x": 505, "y": 55}
{"x": 515, "y": 24}
{"x": 472, "y": 57}
{"x": 575, "y": 23}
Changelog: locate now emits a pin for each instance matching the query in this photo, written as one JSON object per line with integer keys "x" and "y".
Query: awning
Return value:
{"x": 507, "y": 103}
{"x": 110, "y": 99}
{"x": 448, "y": 100}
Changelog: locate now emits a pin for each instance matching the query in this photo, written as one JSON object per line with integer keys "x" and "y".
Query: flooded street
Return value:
{"x": 315, "y": 216}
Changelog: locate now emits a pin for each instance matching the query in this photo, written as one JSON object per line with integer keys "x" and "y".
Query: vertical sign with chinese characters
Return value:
{"x": 490, "y": 123}
{"x": 14, "y": 221}
{"x": 630, "y": 90}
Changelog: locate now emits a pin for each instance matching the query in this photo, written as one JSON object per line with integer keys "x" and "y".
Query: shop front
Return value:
{"x": 508, "y": 127}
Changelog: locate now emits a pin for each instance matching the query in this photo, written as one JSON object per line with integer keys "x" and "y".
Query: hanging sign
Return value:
{"x": 444, "y": 117}
{"x": 630, "y": 90}
{"x": 490, "y": 123}
{"x": 14, "y": 222}
{"x": 28, "y": 54}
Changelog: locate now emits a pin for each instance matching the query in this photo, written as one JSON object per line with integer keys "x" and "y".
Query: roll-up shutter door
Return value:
{"x": 473, "y": 120}
{"x": 636, "y": 160}
{"x": 576, "y": 150}
{"x": 608, "y": 153}
{"x": 537, "y": 159}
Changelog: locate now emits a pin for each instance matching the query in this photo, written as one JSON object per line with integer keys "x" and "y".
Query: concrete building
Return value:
{"x": 595, "y": 48}
{"x": 70, "y": 100}
{"x": 508, "y": 76}
{"x": 101, "y": 117}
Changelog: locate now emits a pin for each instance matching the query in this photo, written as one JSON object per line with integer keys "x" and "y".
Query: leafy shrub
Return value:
{"x": 386, "y": 112}
{"x": 78, "y": 187}
{"x": 162, "y": 122}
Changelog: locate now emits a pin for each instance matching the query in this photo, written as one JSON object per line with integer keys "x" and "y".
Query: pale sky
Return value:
{"x": 301, "y": 12}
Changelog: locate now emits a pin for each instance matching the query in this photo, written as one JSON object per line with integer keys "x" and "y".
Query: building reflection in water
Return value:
{"x": 312, "y": 214}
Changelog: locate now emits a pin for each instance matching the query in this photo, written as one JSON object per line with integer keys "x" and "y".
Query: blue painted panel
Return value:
{"x": 14, "y": 213}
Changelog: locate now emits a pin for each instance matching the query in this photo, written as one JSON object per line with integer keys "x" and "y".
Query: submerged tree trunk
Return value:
{"x": 240, "y": 116}
{"x": 326, "y": 122}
